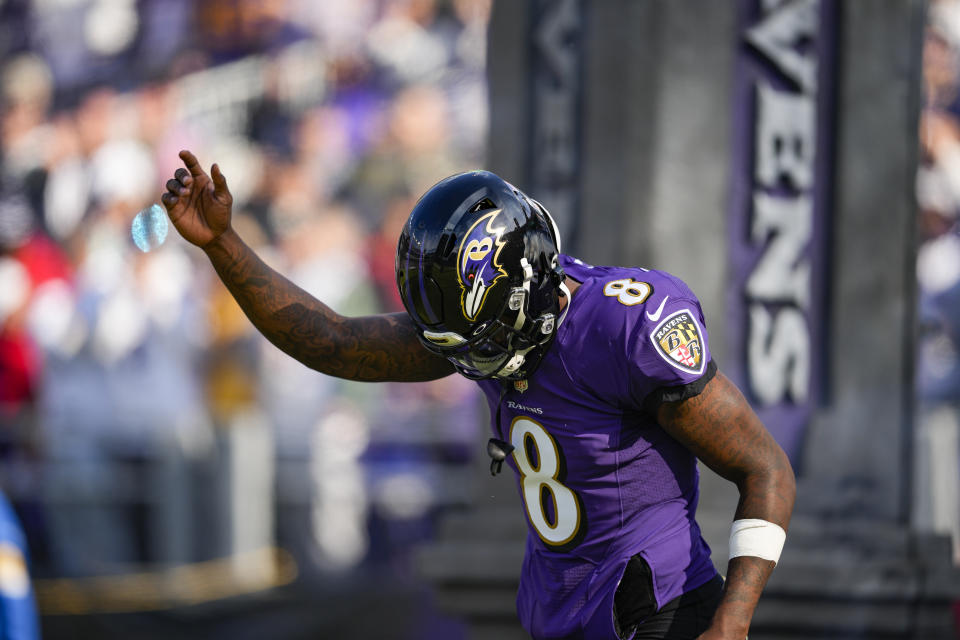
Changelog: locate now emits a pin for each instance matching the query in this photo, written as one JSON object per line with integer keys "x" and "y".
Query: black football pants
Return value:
{"x": 683, "y": 618}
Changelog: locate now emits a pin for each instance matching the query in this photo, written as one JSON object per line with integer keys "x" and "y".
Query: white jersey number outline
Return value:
{"x": 628, "y": 291}
{"x": 528, "y": 436}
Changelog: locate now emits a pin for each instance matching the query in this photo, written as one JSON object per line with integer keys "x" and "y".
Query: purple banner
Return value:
{"x": 780, "y": 210}
{"x": 555, "y": 148}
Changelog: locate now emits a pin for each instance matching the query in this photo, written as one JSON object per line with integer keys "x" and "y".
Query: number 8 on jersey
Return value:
{"x": 539, "y": 461}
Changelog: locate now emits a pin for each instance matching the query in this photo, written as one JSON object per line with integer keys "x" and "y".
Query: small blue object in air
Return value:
{"x": 149, "y": 228}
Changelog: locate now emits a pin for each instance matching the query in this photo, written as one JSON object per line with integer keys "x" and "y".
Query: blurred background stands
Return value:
{"x": 147, "y": 430}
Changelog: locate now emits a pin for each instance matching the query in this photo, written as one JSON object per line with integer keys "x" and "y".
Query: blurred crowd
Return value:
{"x": 129, "y": 380}
{"x": 938, "y": 197}
{"x": 938, "y": 277}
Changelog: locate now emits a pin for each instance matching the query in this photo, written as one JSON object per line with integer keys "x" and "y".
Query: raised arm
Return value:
{"x": 370, "y": 348}
{"x": 723, "y": 431}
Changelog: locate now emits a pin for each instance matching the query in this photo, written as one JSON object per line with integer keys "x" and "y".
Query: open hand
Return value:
{"x": 198, "y": 204}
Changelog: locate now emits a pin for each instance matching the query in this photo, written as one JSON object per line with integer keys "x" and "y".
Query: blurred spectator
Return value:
{"x": 121, "y": 372}
{"x": 937, "y": 506}
{"x": 938, "y": 197}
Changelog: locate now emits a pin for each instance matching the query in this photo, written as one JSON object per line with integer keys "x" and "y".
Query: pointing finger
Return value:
{"x": 191, "y": 163}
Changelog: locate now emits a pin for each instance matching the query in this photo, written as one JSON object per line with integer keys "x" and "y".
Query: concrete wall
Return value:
{"x": 653, "y": 83}
{"x": 858, "y": 447}
{"x": 654, "y": 121}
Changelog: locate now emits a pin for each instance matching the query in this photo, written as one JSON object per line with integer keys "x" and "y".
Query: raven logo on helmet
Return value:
{"x": 478, "y": 263}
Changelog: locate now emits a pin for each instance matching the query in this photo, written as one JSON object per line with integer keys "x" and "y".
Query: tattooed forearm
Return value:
{"x": 751, "y": 574}
{"x": 723, "y": 431}
{"x": 746, "y": 578}
{"x": 372, "y": 348}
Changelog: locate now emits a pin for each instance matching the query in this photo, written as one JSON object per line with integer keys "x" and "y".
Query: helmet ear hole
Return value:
{"x": 446, "y": 245}
{"x": 545, "y": 266}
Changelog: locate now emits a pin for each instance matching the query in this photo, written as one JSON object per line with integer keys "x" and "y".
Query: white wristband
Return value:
{"x": 758, "y": 538}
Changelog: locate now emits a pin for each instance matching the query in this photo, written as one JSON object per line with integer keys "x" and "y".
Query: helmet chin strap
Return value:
{"x": 514, "y": 364}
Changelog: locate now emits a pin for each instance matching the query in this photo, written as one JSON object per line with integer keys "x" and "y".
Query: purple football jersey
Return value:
{"x": 599, "y": 479}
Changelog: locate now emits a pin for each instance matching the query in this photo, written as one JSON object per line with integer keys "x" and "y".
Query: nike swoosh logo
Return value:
{"x": 656, "y": 315}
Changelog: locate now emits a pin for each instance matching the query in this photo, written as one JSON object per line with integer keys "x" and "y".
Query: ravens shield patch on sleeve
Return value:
{"x": 679, "y": 340}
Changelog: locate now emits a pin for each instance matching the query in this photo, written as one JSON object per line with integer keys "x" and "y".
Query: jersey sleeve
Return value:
{"x": 668, "y": 353}
{"x": 639, "y": 339}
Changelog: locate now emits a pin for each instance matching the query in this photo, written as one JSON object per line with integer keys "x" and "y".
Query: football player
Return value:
{"x": 602, "y": 396}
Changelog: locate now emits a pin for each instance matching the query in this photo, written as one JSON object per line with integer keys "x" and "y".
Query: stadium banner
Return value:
{"x": 555, "y": 120}
{"x": 780, "y": 201}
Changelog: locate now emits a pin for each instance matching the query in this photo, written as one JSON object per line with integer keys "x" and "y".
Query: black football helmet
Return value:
{"x": 478, "y": 272}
